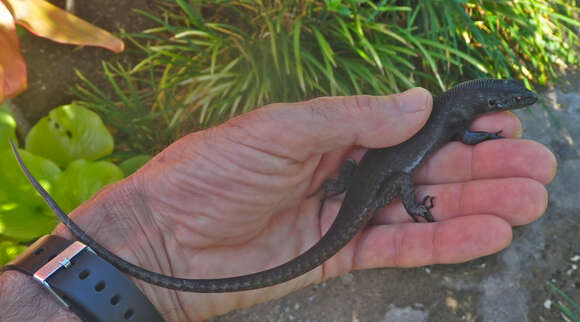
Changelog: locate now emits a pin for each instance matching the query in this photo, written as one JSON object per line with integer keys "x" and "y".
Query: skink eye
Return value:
{"x": 518, "y": 98}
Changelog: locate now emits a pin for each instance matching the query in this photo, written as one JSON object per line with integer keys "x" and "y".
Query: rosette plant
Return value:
{"x": 43, "y": 19}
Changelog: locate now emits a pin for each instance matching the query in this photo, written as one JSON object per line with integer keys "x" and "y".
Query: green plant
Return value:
{"x": 210, "y": 60}
{"x": 77, "y": 142}
{"x": 568, "y": 307}
{"x": 45, "y": 20}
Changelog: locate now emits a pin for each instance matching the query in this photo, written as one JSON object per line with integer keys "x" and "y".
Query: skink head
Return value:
{"x": 487, "y": 95}
{"x": 510, "y": 95}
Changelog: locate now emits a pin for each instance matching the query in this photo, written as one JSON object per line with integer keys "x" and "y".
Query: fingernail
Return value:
{"x": 414, "y": 100}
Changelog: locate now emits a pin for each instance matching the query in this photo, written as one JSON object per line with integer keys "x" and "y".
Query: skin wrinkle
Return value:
{"x": 140, "y": 204}
{"x": 280, "y": 179}
{"x": 21, "y": 298}
{"x": 314, "y": 182}
{"x": 472, "y": 171}
{"x": 435, "y": 244}
{"x": 151, "y": 185}
{"x": 256, "y": 170}
{"x": 174, "y": 309}
{"x": 316, "y": 110}
{"x": 234, "y": 141}
{"x": 175, "y": 228}
{"x": 359, "y": 104}
{"x": 461, "y": 198}
{"x": 185, "y": 229}
{"x": 180, "y": 307}
{"x": 285, "y": 181}
{"x": 111, "y": 217}
{"x": 204, "y": 188}
{"x": 156, "y": 256}
{"x": 395, "y": 102}
{"x": 353, "y": 251}
{"x": 243, "y": 180}
{"x": 398, "y": 243}
{"x": 272, "y": 250}
{"x": 324, "y": 267}
{"x": 320, "y": 107}
{"x": 357, "y": 250}
{"x": 258, "y": 138}
{"x": 400, "y": 127}
{"x": 301, "y": 246}
{"x": 392, "y": 101}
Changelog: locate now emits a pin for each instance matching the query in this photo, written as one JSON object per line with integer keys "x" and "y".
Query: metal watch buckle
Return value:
{"x": 60, "y": 261}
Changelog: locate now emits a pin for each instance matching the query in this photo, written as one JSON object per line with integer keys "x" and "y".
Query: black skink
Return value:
{"x": 381, "y": 176}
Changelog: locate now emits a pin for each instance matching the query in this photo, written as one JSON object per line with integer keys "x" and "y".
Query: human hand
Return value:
{"x": 231, "y": 200}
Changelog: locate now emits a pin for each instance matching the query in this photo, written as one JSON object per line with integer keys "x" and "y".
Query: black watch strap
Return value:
{"x": 84, "y": 282}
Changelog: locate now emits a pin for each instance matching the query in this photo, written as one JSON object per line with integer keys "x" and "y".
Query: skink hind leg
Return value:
{"x": 400, "y": 184}
{"x": 415, "y": 209}
{"x": 334, "y": 187}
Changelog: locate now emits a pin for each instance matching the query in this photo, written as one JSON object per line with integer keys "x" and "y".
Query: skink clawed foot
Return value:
{"x": 423, "y": 209}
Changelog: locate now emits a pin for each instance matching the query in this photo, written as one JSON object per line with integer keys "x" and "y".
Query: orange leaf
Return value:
{"x": 12, "y": 66}
{"x": 1, "y": 82}
{"x": 46, "y": 20}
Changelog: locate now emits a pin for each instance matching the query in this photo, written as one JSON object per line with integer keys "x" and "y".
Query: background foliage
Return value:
{"x": 71, "y": 169}
{"x": 209, "y": 60}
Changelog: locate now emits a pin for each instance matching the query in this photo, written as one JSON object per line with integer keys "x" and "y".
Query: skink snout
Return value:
{"x": 528, "y": 99}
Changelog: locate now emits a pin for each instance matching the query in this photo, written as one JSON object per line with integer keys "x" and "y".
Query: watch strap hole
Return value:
{"x": 100, "y": 286}
{"x": 129, "y": 314}
{"x": 115, "y": 299}
{"x": 84, "y": 274}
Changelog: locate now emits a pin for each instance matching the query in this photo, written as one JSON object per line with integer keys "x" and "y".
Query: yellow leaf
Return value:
{"x": 46, "y": 20}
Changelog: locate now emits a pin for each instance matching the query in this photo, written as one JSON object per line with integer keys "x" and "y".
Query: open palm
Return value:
{"x": 232, "y": 200}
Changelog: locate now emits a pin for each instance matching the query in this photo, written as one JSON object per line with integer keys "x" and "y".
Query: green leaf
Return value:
{"x": 297, "y": 57}
{"x": 272, "y": 35}
{"x": 81, "y": 180}
{"x": 7, "y": 127}
{"x": 472, "y": 60}
{"x": 70, "y": 132}
{"x": 131, "y": 165}
{"x": 327, "y": 52}
{"x": 14, "y": 183}
{"x": 9, "y": 250}
{"x": 23, "y": 214}
{"x": 25, "y": 221}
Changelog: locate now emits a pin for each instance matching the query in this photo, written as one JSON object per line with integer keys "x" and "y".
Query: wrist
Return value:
{"x": 118, "y": 220}
{"x": 23, "y": 299}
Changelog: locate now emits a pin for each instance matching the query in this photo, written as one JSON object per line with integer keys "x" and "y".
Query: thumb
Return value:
{"x": 298, "y": 130}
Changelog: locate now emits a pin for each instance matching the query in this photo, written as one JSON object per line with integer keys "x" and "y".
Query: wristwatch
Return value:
{"x": 84, "y": 282}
